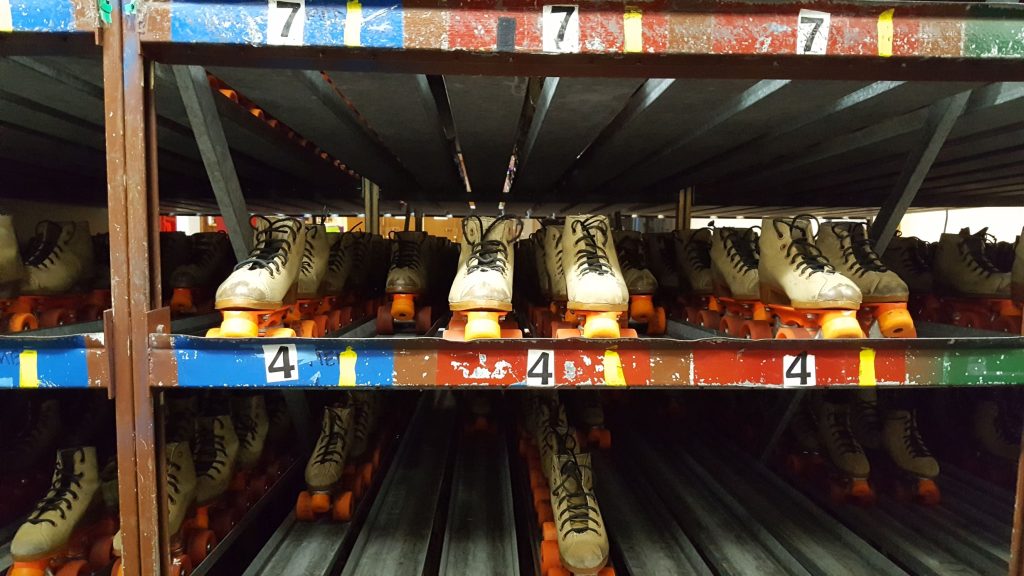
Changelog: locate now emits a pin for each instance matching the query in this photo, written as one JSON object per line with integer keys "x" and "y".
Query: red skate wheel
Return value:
{"x": 180, "y": 566}
{"x": 544, "y": 514}
{"x": 385, "y": 321}
{"x": 731, "y": 325}
{"x": 658, "y": 324}
{"x": 709, "y": 319}
{"x": 117, "y": 570}
{"x": 222, "y": 522}
{"x": 341, "y": 511}
{"x": 756, "y": 330}
{"x": 794, "y": 333}
{"x": 321, "y": 502}
{"x": 101, "y": 553}
{"x": 928, "y": 492}
{"x": 74, "y": 568}
{"x": 320, "y": 321}
{"x": 424, "y": 320}
{"x": 200, "y": 544}
{"x": 607, "y": 571}
{"x": 56, "y": 317}
{"x": 366, "y": 474}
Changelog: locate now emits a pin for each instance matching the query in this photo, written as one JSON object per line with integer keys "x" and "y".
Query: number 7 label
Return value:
{"x": 561, "y": 28}
{"x": 286, "y": 22}
{"x": 812, "y": 32}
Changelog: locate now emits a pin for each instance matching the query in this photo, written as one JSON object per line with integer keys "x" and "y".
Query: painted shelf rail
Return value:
{"x": 50, "y": 16}
{"x": 428, "y": 362}
{"x": 859, "y": 29}
{"x": 77, "y": 361}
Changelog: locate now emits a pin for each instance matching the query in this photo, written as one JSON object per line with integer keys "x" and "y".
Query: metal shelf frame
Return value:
{"x": 663, "y": 39}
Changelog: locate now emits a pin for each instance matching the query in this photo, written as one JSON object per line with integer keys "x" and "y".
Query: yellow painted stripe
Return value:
{"x": 885, "y": 32}
{"x": 866, "y": 370}
{"x": 6, "y": 22}
{"x": 613, "y": 375}
{"x": 633, "y": 28}
{"x": 347, "y": 367}
{"x": 353, "y": 22}
{"x": 28, "y": 373}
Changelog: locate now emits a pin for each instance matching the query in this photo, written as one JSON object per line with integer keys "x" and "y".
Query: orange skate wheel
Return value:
{"x": 239, "y": 324}
{"x": 601, "y": 325}
{"x": 181, "y": 301}
{"x": 307, "y": 329}
{"x": 860, "y": 491}
{"x": 101, "y": 553}
{"x": 280, "y": 333}
{"x": 320, "y": 502}
{"x": 403, "y": 308}
{"x": 601, "y": 437}
{"x": 366, "y": 474}
{"x": 550, "y": 558}
{"x": 709, "y": 319}
{"x": 118, "y": 570}
{"x": 558, "y": 571}
{"x": 756, "y": 330}
{"x": 200, "y": 544}
{"x": 794, "y": 333}
{"x": 32, "y": 568}
{"x": 896, "y": 323}
{"x": 544, "y": 514}
{"x": 641, "y": 307}
{"x": 358, "y": 488}
{"x": 928, "y": 492}
{"x": 658, "y": 324}
{"x": 481, "y": 325}
{"x": 840, "y": 325}
{"x": 213, "y": 333}
{"x": 342, "y": 509}
{"x": 549, "y": 532}
{"x": 320, "y": 321}
{"x": 74, "y": 568}
{"x": 333, "y": 321}
{"x": 606, "y": 571}
{"x": 23, "y": 321}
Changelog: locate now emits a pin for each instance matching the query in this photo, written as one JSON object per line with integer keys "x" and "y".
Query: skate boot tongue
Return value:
{"x": 407, "y": 250}
{"x": 333, "y": 431}
{"x": 857, "y": 247}
{"x": 490, "y": 245}
{"x": 973, "y": 250}
{"x": 591, "y": 254}
{"x": 801, "y": 252}
{"x": 44, "y": 245}
{"x": 274, "y": 240}
{"x": 64, "y": 490}
{"x": 742, "y": 247}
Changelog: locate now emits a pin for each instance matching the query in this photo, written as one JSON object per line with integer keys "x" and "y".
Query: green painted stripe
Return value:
{"x": 982, "y": 367}
{"x": 993, "y": 38}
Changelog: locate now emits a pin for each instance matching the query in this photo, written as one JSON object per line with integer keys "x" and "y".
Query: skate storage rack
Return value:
{"x": 851, "y": 84}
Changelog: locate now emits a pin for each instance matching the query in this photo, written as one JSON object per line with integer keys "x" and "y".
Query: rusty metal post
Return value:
{"x": 1017, "y": 536}
{"x": 684, "y": 208}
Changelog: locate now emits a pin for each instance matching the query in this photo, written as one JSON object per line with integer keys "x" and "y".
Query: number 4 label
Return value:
{"x": 561, "y": 28}
{"x": 540, "y": 368}
{"x": 798, "y": 371}
{"x": 281, "y": 361}
{"x": 286, "y": 22}
{"x": 812, "y": 32}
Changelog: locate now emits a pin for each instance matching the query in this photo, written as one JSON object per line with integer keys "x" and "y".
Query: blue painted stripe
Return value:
{"x": 245, "y": 22}
{"x": 42, "y": 16}
{"x": 60, "y": 363}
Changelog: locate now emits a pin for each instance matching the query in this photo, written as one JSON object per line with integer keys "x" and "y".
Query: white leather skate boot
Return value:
{"x": 793, "y": 271}
{"x": 264, "y": 279}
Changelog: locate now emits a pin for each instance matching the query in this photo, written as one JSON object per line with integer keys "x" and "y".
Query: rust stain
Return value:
{"x": 940, "y": 37}
{"x": 689, "y": 33}
{"x": 155, "y": 20}
{"x": 426, "y": 25}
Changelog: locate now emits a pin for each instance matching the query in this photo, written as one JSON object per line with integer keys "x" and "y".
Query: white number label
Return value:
{"x": 281, "y": 361}
{"x": 286, "y": 22}
{"x": 561, "y": 28}
{"x": 798, "y": 371}
{"x": 540, "y": 369}
{"x": 812, "y": 32}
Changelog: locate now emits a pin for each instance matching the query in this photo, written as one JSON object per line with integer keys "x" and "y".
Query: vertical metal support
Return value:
{"x": 114, "y": 76}
{"x": 1017, "y": 536}
{"x": 942, "y": 116}
{"x": 684, "y": 208}
{"x": 197, "y": 95}
{"x": 371, "y": 208}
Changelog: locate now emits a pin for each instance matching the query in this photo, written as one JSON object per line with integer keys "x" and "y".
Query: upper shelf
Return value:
{"x": 867, "y": 30}
{"x": 72, "y": 361}
{"x": 48, "y": 16}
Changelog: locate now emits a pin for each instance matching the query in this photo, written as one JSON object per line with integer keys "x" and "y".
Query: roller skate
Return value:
{"x": 252, "y": 424}
{"x": 532, "y": 286}
{"x": 693, "y": 261}
{"x": 866, "y": 419}
{"x": 972, "y": 291}
{"x": 803, "y": 461}
{"x": 189, "y": 545}
{"x": 997, "y": 431}
{"x": 661, "y": 261}
{"x": 340, "y": 261}
{"x": 216, "y": 452}
{"x": 193, "y": 284}
{"x": 12, "y": 270}
{"x": 406, "y": 285}
{"x": 175, "y": 252}
{"x": 1017, "y": 271}
{"x": 59, "y": 271}
{"x": 69, "y": 531}
{"x": 640, "y": 282}
{"x": 802, "y": 293}
{"x": 365, "y": 450}
{"x": 25, "y": 449}
{"x": 308, "y": 316}
{"x": 597, "y": 292}
{"x": 915, "y": 467}
{"x": 588, "y": 414}
{"x": 481, "y": 295}
{"x": 735, "y": 308}
{"x": 883, "y": 310}
{"x": 911, "y": 259}
{"x": 848, "y": 464}
{"x": 557, "y": 315}
{"x": 479, "y": 416}
{"x": 256, "y": 297}
{"x": 581, "y": 543}
{"x": 325, "y": 493}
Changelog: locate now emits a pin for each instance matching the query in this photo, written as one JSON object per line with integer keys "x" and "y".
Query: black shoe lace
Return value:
{"x": 741, "y": 249}
{"x": 246, "y": 426}
{"x": 270, "y": 252}
{"x": 330, "y": 450}
{"x": 972, "y": 251}
{"x": 45, "y": 247}
{"x": 576, "y": 514}
{"x": 857, "y": 250}
{"x": 912, "y": 440}
{"x": 211, "y": 454}
{"x": 559, "y": 267}
{"x": 173, "y": 489}
{"x": 698, "y": 252}
{"x": 63, "y": 491}
{"x": 842, "y": 436}
{"x": 487, "y": 253}
{"x": 915, "y": 256}
{"x": 591, "y": 256}
{"x": 407, "y": 254}
{"x": 207, "y": 248}
{"x": 801, "y": 253}
{"x": 306, "y": 267}
{"x": 631, "y": 253}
